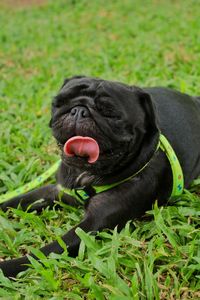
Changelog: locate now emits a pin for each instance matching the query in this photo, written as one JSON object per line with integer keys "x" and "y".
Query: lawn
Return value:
{"x": 145, "y": 43}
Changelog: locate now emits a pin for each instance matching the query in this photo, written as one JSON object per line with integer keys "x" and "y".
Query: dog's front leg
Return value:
{"x": 12, "y": 267}
{"x": 102, "y": 213}
{"x": 39, "y": 199}
{"x": 46, "y": 195}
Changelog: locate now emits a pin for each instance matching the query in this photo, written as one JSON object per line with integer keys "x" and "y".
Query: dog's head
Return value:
{"x": 101, "y": 126}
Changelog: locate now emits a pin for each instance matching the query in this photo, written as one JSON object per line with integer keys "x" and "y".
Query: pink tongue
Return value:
{"x": 83, "y": 146}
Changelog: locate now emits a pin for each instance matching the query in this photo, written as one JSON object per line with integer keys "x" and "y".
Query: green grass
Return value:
{"x": 144, "y": 43}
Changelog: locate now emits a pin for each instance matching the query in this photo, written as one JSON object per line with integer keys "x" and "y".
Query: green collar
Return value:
{"x": 177, "y": 173}
{"x": 84, "y": 193}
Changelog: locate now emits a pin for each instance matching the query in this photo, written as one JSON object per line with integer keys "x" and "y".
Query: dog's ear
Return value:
{"x": 149, "y": 108}
{"x": 66, "y": 80}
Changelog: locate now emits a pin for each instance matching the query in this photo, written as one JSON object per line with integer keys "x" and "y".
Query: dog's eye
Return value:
{"x": 60, "y": 100}
{"x": 106, "y": 109}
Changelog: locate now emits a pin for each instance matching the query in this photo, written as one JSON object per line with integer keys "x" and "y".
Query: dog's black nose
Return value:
{"x": 80, "y": 112}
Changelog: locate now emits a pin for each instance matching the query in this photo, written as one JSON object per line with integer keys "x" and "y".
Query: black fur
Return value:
{"x": 125, "y": 121}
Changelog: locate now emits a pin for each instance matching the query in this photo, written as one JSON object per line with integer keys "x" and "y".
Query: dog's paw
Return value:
{"x": 12, "y": 267}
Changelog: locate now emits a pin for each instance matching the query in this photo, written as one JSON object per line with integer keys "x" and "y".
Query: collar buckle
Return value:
{"x": 84, "y": 193}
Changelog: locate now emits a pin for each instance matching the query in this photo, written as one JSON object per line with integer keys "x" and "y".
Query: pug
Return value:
{"x": 112, "y": 160}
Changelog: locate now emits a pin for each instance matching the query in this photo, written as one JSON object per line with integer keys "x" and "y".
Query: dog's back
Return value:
{"x": 179, "y": 119}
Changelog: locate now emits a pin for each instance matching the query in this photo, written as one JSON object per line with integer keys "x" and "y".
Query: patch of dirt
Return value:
{"x": 22, "y": 3}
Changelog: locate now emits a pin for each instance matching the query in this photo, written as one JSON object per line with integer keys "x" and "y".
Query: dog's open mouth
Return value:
{"x": 82, "y": 147}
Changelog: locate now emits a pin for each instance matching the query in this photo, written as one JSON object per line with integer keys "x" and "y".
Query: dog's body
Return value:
{"x": 126, "y": 123}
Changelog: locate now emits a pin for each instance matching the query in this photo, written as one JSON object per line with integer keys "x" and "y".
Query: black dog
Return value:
{"x": 109, "y": 135}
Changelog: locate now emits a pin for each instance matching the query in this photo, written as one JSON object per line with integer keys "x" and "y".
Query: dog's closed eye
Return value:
{"x": 106, "y": 109}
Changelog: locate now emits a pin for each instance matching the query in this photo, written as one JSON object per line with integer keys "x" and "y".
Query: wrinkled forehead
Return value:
{"x": 115, "y": 90}
{"x": 81, "y": 83}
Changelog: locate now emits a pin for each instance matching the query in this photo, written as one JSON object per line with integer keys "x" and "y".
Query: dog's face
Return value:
{"x": 102, "y": 124}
